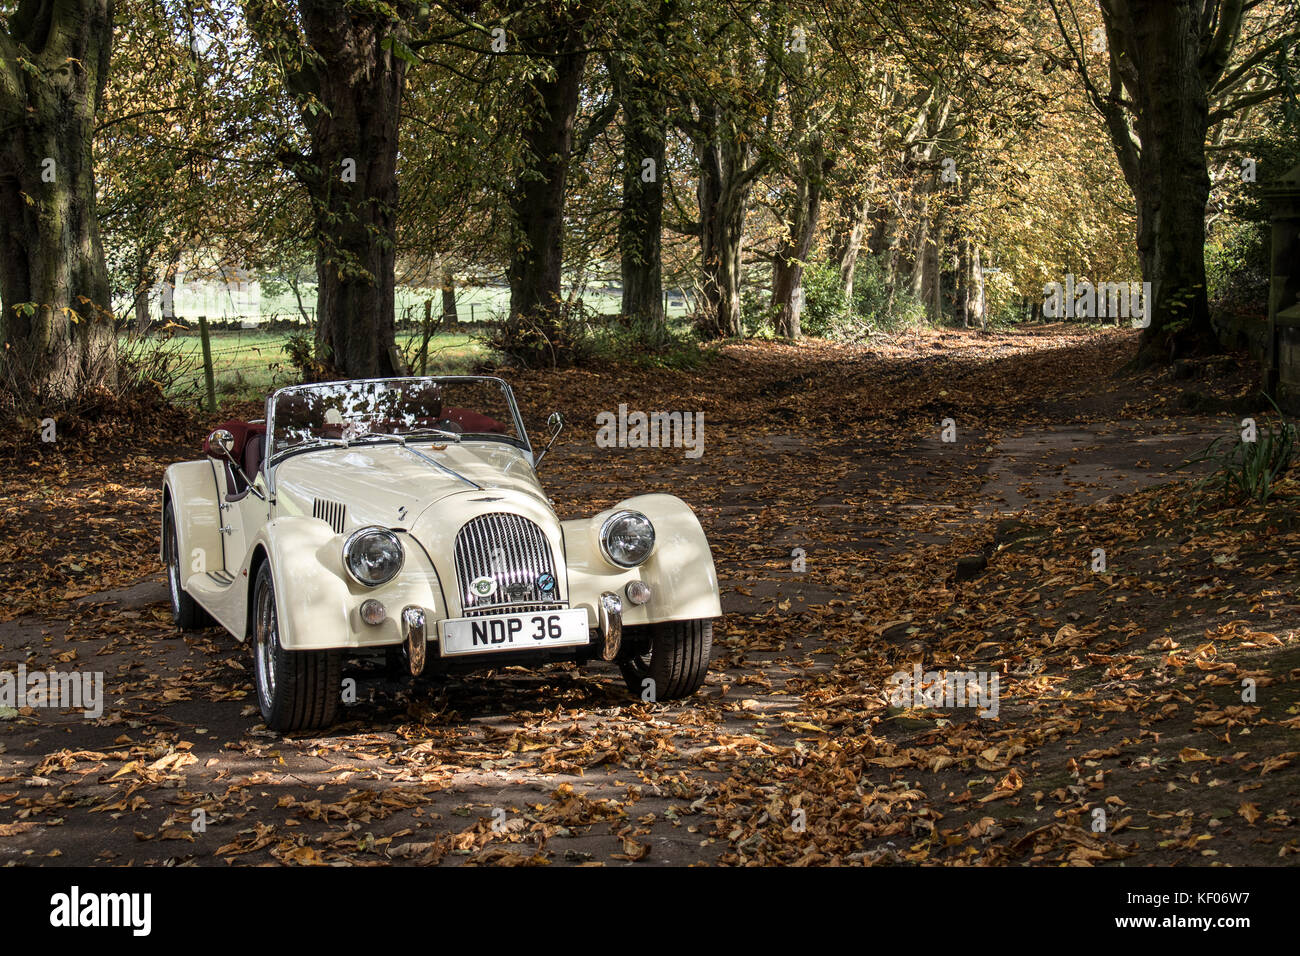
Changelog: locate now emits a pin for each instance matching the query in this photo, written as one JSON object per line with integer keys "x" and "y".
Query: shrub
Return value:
{"x": 825, "y": 308}
{"x": 300, "y": 349}
{"x": 756, "y": 312}
{"x": 1249, "y": 470}
{"x": 1237, "y": 267}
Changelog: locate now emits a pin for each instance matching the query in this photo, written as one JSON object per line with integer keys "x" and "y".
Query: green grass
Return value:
{"x": 252, "y": 364}
{"x": 473, "y": 303}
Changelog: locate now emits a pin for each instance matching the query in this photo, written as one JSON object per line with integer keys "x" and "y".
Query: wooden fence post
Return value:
{"x": 424, "y": 341}
{"x": 208, "y": 378}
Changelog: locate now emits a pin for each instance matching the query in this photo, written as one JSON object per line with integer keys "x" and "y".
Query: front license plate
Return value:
{"x": 514, "y": 632}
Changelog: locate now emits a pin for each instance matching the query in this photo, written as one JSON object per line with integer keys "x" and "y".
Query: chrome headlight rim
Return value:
{"x": 360, "y": 533}
{"x": 605, "y": 529}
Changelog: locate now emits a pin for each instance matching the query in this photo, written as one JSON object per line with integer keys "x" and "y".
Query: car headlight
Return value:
{"x": 627, "y": 538}
{"x": 373, "y": 556}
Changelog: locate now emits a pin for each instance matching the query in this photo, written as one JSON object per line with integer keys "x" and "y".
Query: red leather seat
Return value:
{"x": 254, "y": 451}
{"x": 473, "y": 421}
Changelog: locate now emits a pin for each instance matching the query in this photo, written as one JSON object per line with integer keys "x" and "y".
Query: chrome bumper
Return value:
{"x": 414, "y": 636}
{"x": 610, "y": 612}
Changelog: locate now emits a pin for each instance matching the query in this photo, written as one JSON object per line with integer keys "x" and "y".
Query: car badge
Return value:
{"x": 518, "y": 592}
{"x": 484, "y": 586}
{"x": 546, "y": 582}
{"x": 485, "y": 499}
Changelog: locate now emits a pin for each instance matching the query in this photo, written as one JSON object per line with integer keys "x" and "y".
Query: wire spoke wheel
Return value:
{"x": 296, "y": 689}
{"x": 266, "y": 641}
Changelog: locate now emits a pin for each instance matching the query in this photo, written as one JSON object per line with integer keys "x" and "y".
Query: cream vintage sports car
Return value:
{"x": 380, "y": 514}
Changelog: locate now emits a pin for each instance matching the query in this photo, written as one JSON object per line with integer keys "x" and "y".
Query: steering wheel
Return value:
{"x": 447, "y": 425}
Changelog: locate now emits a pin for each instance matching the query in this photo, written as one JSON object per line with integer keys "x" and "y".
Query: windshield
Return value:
{"x": 448, "y": 408}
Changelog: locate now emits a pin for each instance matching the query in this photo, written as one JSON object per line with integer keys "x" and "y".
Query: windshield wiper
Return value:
{"x": 439, "y": 465}
{"x": 317, "y": 440}
{"x": 402, "y": 439}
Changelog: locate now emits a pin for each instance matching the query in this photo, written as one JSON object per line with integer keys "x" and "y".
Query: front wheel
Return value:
{"x": 666, "y": 661}
{"x": 296, "y": 690}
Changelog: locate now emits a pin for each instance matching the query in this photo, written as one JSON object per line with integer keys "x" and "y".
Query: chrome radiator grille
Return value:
{"x": 514, "y": 555}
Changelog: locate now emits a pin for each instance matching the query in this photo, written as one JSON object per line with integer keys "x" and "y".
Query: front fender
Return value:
{"x": 318, "y": 605}
{"x": 680, "y": 572}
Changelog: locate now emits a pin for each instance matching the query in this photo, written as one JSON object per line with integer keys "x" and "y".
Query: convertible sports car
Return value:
{"x": 406, "y": 515}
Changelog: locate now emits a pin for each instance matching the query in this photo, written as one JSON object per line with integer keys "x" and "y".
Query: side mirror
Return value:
{"x": 221, "y": 444}
{"x": 556, "y": 423}
{"x": 221, "y": 440}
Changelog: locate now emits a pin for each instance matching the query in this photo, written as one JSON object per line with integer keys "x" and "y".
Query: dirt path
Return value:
{"x": 791, "y": 751}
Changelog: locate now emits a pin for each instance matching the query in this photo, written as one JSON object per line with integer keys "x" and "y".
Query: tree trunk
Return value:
{"x": 792, "y": 252}
{"x": 963, "y": 290}
{"x": 141, "y": 309}
{"x": 1164, "y": 58}
{"x": 974, "y": 305}
{"x": 725, "y": 182}
{"x": 450, "y": 318}
{"x": 1174, "y": 182}
{"x": 56, "y": 328}
{"x": 537, "y": 200}
{"x": 920, "y": 242}
{"x": 640, "y": 223}
{"x": 145, "y": 278}
{"x": 167, "y": 296}
{"x": 850, "y": 245}
{"x": 892, "y": 249}
{"x": 931, "y": 292}
{"x": 351, "y": 176}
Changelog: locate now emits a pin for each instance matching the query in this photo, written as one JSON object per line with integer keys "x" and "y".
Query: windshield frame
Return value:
{"x": 275, "y": 456}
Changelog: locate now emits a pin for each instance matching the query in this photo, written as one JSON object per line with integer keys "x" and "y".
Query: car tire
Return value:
{"x": 673, "y": 654}
{"x": 187, "y": 613}
{"x": 296, "y": 690}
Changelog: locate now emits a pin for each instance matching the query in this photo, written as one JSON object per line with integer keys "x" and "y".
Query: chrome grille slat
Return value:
{"x": 523, "y": 554}
{"x": 513, "y": 608}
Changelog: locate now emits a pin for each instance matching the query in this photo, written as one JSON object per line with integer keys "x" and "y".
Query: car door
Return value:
{"x": 243, "y": 510}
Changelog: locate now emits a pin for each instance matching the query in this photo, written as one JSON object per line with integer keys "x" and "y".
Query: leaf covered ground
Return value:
{"x": 1147, "y": 709}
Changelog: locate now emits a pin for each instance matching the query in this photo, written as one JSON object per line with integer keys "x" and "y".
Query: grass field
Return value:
{"x": 251, "y": 364}
{"x": 473, "y": 303}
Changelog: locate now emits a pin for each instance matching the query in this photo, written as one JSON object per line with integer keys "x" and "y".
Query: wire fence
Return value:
{"x": 251, "y": 354}
{"x": 249, "y": 360}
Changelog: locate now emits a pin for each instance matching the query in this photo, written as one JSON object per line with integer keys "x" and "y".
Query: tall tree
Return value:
{"x": 1172, "y": 69}
{"x": 182, "y": 176}
{"x": 55, "y": 310}
{"x": 537, "y": 199}
{"x": 801, "y": 215}
{"x": 728, "y": 105}
{"x": 639, "y": 90}
{"x": 344, "y": 64}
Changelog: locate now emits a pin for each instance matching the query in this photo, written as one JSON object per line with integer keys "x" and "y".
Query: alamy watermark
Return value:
{"x": 74, "y": 909}
{"x": 653, "y": 430}
{"x": 60, "y": 690}
{"x": 945, "y": 689}
{"x": 1105, "y": 300}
